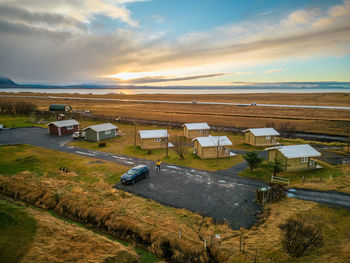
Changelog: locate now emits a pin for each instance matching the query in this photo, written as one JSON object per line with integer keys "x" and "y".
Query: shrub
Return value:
{"x": 301, "y": 234}
{"x": 101, "y": 144}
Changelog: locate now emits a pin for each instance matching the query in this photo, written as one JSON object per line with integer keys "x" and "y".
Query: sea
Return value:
{"x": 187, "y": 90}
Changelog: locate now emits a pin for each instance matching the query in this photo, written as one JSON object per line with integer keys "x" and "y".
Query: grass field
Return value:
{"x": 56, "y": 240}
{"x": 153, "y": 226}
{"x": 308, "y": 120}
{"x": 18, "y": 121}
{"x": 17, "y": 231}
{"x": 125, "y": 145}
{"x": 330, "y": 177}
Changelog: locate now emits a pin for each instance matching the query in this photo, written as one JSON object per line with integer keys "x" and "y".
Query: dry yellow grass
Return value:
{"x": 59, "y": 241}
{"x": 309, "y": 120}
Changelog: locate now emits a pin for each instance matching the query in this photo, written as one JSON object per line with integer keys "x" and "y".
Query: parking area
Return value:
{"x": 221, "y": 195}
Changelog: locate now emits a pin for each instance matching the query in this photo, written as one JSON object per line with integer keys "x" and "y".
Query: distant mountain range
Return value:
{"x": 7, "y": 83}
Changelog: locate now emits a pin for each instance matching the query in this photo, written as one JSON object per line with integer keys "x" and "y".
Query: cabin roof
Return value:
{"x": 263, "y": 132}
{"x": 210, "y": 141}
{"x": 296, "y": 151}
{"x": 102, "y": 127}
{"x": 197, "y": 126}
{"x": 150, "y": 134}
{"x": 64, "y": 123}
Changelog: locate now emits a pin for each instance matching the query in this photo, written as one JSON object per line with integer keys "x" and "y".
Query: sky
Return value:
{"x": 168, "y": 42}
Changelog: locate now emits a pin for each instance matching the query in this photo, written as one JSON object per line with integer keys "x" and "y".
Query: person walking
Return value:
{"x": 158, "y": 164}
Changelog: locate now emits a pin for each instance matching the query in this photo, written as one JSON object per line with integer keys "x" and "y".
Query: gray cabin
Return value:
{"x": 100, "y": 132}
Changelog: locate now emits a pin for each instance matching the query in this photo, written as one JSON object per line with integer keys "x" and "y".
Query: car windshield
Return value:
{"x": 132, "y": 171}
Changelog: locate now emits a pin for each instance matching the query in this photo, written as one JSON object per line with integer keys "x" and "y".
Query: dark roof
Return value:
{"x": 59, "y": 107}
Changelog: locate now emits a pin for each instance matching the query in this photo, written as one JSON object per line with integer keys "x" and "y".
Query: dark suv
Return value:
{"x": 135, "y": 174}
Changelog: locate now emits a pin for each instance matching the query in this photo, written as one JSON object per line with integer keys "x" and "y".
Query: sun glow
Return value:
{"x": 133, "y": 75}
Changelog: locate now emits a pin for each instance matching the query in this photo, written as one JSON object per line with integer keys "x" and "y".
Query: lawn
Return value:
{"x": 17, "y": 230}
{"x": 42, "y": 162}
{"x": 125, "y": 145}
{"x": 10, "y": 121}
{"x": 330, "y": 177}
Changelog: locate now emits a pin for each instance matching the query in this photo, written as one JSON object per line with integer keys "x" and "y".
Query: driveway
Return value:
{"x": 221, "y": 195}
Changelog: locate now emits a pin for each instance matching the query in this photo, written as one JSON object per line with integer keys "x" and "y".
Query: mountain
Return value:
{"x": 6, "y": 82}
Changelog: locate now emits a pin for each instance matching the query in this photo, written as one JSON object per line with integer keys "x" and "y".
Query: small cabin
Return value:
{"x": 64, "y": 127}
{"x": 261, "y": 136}
{"x": 153, "y": 139}
{"x": 58, "y": 107}
{"x": 193, "y": 130}
{"x": 212, "y": 147}
{"x": 294, "y": 157}
{"x": 100, "y": 132}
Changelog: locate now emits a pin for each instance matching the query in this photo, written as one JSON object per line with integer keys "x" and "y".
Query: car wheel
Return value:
{"x": 146, "y": 175}
{"x": 133, "y": 181}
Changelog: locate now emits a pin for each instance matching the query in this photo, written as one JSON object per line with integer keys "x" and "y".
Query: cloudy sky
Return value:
{"x": 168, "y": 42}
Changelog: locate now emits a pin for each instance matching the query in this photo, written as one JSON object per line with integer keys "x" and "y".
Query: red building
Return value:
{"x": 63, "y": 127}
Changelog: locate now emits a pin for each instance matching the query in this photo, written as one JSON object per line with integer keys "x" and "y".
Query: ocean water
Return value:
{"x": 229, "y": 90}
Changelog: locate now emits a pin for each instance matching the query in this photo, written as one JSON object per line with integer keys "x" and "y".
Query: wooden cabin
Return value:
{"x": 193, "y": 130}
{"x": 63, "y": 127}
{"x": 212, "y": 147}
{"x": 294, "y": 157}
{"x": 100, "y": 132}
{"x": 153, "y": 139}
{"x": 261, "y": 136}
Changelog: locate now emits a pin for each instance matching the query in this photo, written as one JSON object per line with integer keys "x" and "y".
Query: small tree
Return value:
{"x": 253, "y": 160}
{"x": 277, "y": 166}
{"x": 180, "y": 146}
{"x": 301, "y": 234}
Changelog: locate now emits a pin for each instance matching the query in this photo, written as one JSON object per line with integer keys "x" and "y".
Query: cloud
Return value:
{"x": 50, "y": 41}
{"x": 273, "y": 71}
{"x": 80, "y": 10}
{"x": 158, "y": 19}
{"x": 158, "y": 79}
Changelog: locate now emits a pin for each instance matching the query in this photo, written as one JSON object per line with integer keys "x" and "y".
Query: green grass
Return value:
{"x": 40, "y": 161}
{"x": 10, "y": 121}
{"x": 145, "y": 256}
{"x": 191, "y": 160}
{"x": 264, "y": 172}
{"x": 17, "y": 230}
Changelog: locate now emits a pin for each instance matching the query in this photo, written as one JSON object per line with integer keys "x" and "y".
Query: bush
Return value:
{"x": 20, "y": 107}
{"x": 101, "y": 144}
{"x": 301, "y": 234}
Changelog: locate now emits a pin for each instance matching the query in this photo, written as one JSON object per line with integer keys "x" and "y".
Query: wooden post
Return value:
{"x": 256, "y": 254}
{"x": 240, "y": 242}
{"x": 180, "y": 235}
{"x": 135, "y": 136}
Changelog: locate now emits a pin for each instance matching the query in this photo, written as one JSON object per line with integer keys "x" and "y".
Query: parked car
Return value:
{"x": 135, "y": 174}
{"x": 253, "y": 103}
{"x": 77, "y": 134}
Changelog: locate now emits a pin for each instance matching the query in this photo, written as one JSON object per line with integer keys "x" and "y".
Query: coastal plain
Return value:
{"x": 314, "y": 120}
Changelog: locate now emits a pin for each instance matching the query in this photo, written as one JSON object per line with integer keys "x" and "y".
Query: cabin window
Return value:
{"x": 70, "y": 127}
{"x": 227, "y": 151}
{"x": 157, "y": 139}
{"x": 200, "y": 131}
{"x": 219, "y": 148}
{"x": 108, "y": 132}
{"x": 268, "y": 138}
{"x": 304, "y": 159}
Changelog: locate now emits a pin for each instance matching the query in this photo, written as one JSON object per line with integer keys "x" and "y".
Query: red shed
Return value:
{"x": 63, "y": 127}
